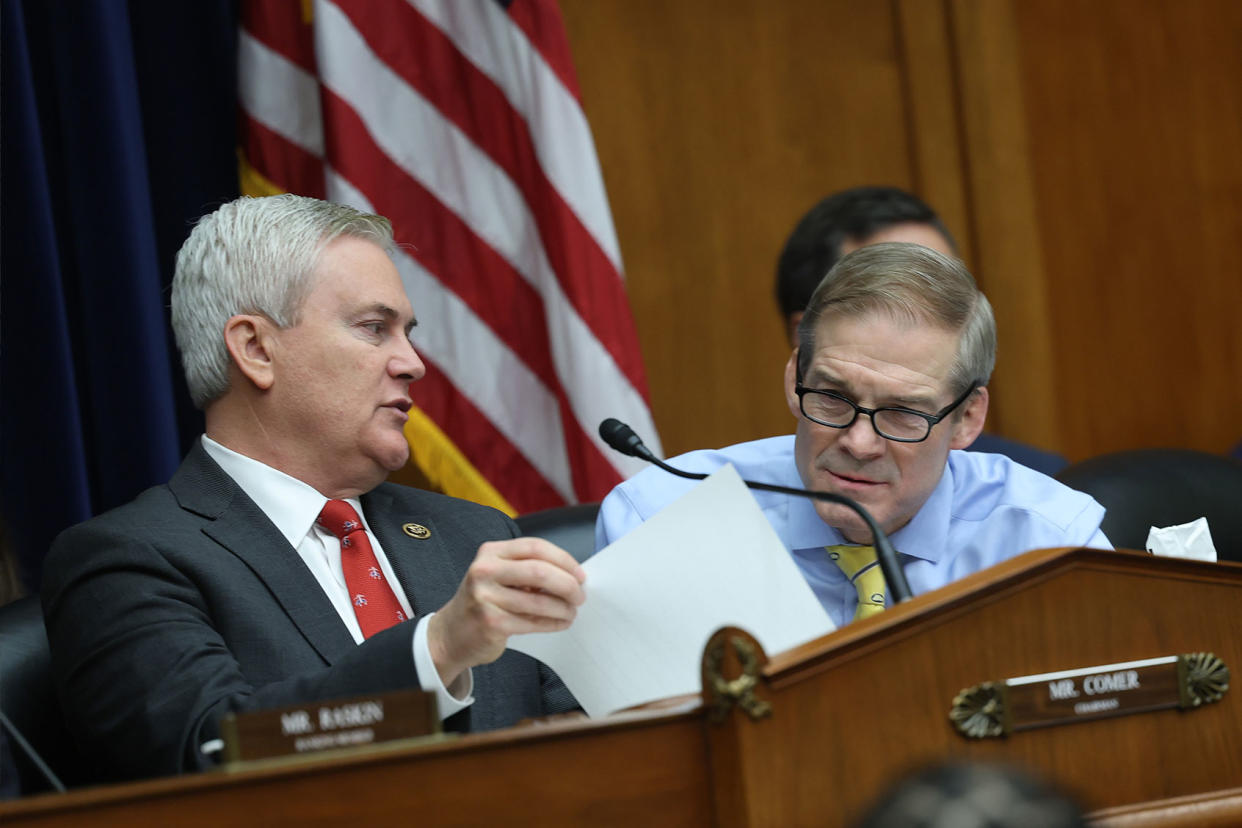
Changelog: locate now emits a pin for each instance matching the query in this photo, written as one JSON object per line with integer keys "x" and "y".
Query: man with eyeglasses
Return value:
{"x": 887, "y": 385}
{"x": 854, "y": 218}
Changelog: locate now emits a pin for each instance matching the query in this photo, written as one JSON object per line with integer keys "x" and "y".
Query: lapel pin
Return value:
{"x": 416, "y": 530}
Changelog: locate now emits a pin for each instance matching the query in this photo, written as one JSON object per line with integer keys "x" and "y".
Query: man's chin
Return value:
{"x": 846, "y": 521}
{"x": 394, "y": 461}
{"x": 389, "y": 454}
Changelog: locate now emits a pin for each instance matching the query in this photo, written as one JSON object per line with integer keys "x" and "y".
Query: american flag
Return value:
{"x": 460, "y": 120}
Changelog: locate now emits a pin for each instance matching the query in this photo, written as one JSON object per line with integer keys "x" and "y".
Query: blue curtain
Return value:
{"x": 118, "y": 131}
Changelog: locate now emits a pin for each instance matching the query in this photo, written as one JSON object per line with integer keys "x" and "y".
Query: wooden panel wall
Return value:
{"x": 1085, "y": 155}
{"x": 1135, "y": 113}
{"x": 718, "y": 125}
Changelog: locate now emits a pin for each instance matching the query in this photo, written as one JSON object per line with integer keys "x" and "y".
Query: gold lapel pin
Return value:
{"x": 416, "y": 530}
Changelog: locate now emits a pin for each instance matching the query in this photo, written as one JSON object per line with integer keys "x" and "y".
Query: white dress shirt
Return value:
{"x": 293, "y": 507}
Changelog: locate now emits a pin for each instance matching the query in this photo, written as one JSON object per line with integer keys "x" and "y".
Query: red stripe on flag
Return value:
{"x": 466, "y": 265}
{"x": 490, "y": 451}
{"x": 281, "y": 161}
{"x": 542, "y": 23}
{"x": 409, "y": 44}
{"x": 469, "y": 267}
{"x": 441, "y": 241}
{"x": 484, "y": 280}
{"x": 280, "y": 27}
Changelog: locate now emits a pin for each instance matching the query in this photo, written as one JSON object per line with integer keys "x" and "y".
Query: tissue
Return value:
{"x": 1190, "y": 540}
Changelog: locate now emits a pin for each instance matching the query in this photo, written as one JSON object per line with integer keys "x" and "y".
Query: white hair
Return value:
{"x": 252, "y": 255}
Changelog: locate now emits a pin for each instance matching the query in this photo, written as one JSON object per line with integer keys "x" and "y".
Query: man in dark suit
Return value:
{"x": 241, "y": 584}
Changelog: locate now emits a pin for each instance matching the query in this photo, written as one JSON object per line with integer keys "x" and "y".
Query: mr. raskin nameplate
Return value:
{"x": 996, "y": 708}
{"x": 336, "y": 723}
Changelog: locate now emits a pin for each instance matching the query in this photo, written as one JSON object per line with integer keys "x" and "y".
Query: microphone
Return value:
{"x": 622, "y": 438}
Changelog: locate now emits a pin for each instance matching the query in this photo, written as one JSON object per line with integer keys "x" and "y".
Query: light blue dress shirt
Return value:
{"x": 985, "y": 509}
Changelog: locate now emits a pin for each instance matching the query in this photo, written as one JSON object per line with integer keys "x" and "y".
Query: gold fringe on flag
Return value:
{"x": 446, "y": 468}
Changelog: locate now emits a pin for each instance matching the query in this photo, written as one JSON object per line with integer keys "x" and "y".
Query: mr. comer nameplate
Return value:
{"x": 996, "y": 708}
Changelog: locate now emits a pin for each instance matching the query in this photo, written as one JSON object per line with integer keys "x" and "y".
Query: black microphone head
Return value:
{"x": 617, "y": 435}
{"x": 621, "y": 437}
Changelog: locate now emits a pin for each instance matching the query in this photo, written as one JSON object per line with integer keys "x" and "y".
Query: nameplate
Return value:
{"x": 998, "y": 708}
{"x": 329, "y": 725}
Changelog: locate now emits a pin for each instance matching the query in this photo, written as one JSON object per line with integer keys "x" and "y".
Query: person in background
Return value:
{"x": 981, "y": 795}
{"x": 851, "y": 219}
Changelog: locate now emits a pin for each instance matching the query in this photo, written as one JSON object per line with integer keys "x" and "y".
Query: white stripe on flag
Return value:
{"x": 279, "y": 94}
{"x": 435, "y": 152}
{"x": 597, "y": 389}
{"x": 482, "y": 367}
{"x": 414, "y": 134}
{"x": 484, "y": 33}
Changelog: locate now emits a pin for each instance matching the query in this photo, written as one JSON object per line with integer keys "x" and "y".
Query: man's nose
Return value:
{"x": 406, "y": 363}
{"x": 861, "y": 439}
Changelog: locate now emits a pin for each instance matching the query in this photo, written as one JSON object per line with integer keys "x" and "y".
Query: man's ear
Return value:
{"x": 250, "y": 340}
{"x": 791, "y": 382}
{"x": 968, "y": 423}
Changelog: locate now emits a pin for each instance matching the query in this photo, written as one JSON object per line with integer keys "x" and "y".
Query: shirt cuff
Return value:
{"x": 449, "y": 701}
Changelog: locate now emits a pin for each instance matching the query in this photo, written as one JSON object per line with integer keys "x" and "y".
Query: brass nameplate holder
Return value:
{"x": 998, "y": 708}
{"x": 302, "y": 729}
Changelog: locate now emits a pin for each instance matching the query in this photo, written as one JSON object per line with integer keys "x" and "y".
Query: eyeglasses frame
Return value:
{"x": 932, "y": 419}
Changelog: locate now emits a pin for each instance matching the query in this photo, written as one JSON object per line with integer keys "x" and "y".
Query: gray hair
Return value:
{"x": 912, "y": 283}
{"x": 252, "y": 255}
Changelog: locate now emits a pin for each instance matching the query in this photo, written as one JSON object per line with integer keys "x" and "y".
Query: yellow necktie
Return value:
{"x": 860, "y": 565}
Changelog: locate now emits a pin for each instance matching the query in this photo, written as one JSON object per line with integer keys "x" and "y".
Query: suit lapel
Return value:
{"x": 428, "y": 572}
{"x": 238, "y": 525}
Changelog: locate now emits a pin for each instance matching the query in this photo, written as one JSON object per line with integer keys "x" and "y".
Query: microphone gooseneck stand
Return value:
{"x": 623, "y": 439}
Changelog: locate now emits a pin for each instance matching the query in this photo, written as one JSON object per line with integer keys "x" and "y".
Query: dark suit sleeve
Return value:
{"x": 145, "y": 675}
{"x": 515, "y": 686}
{"x": 556, "y": 696}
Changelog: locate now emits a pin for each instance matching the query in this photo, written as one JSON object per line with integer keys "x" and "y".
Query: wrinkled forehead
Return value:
{"x": 889, "y": 341}
{"x": 903, "y": 320}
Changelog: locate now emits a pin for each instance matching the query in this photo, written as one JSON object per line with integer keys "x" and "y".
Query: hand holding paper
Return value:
{"x": 654, "y": 597}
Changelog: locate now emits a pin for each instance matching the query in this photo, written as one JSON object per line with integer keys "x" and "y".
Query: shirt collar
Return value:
{"x": 288, "y": 503}
{"x": 803, "y": 526}
{"x": 926, "y": 535}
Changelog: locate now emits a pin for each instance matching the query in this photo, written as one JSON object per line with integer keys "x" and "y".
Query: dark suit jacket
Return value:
{"x": 187, "y": 603}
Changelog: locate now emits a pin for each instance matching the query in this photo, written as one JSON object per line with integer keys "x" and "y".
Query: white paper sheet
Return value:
{"x": 708, "y": 560}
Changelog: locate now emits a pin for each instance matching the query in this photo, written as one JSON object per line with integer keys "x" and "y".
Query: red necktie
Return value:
{"x": 375, "y": 604}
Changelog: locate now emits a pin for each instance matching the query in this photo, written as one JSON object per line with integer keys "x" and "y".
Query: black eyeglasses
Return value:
{"x": 903, "y": 425}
